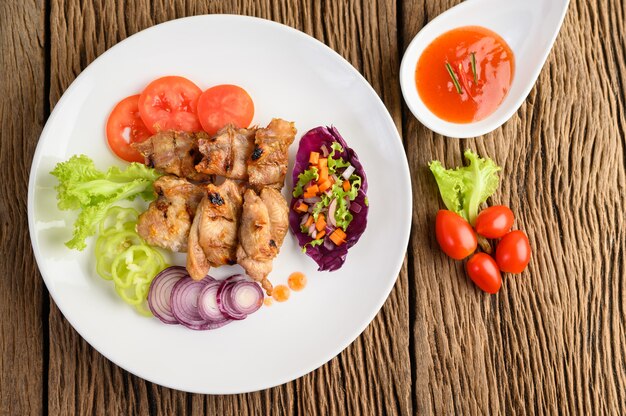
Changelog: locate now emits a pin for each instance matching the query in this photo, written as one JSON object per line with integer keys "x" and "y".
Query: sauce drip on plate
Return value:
{"x": 297, "y": 281}
{"x": 281, "y": 293}
{"x": 464, "y": 74}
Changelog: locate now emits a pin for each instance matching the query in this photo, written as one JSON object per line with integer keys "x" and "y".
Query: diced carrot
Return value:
{"x": 302, "y": 207}
{"x": 323, "y": 175}
{"x": 320, "y": 224}
{"x": 308, "y": 222}
{"x": 308, "y": 195}
{"x": 320, "y": 235}
{"x": 313, "y": 189}
{"x": 314, "y": 158}
{"x": 346, "y": 186}
{"x": 323, "y": 162}
{"x": 338, "y": 237}
{"x": 324, "y": 185}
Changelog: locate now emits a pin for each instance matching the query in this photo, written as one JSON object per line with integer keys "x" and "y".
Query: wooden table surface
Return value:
{"x": 552, "y": 341}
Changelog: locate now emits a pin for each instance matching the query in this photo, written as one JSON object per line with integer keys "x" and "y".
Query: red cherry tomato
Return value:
{"x": 169, "y": 103}
{"x": 494, "y": 222}
{"x": 454, "y": 235}
{"x": 483, "y": 271}
{"x": 224, "y": 104}
{"x": 513, "y": 252}
{"x": 124, "y": 127}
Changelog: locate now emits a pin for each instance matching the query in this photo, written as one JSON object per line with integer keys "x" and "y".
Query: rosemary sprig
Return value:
{"x": 455, "y": 80}
{"x": 474, "y": 67}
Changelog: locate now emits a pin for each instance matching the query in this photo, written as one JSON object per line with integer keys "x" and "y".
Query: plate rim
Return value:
{"x": 405, "y": 232}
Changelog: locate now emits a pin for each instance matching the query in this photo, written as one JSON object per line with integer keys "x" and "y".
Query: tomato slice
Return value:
{"x": 225, "y": 104}
{"x": 169, "y": 103}
{"x": 124, "y": 127}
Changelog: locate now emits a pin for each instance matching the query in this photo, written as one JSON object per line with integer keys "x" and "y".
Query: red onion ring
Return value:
{"x": 207, "y": 304}
{"x": 184, "y": 301}
{"x": 160, "y": 292}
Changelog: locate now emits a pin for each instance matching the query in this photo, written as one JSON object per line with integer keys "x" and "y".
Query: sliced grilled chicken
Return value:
{"x": 174, "y": 152}
{"x": 263, "y": 227}
{"x": 167, "y": 221}
{"x": 227, "y": 153}
{"x": 267, "y": 165}
{"x": 214, "y": 233}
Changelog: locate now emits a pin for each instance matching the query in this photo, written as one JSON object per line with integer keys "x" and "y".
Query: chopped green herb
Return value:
{"x": 455, "y": 81}
{"x": 474, "y": 67}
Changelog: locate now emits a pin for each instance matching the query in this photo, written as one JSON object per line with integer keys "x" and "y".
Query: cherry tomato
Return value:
{"x": 483, "y": 271}
{"x": 454, "y": 235}
{"x": 224, "y": 104}
{"x": 124, "y": 127}
{"x": 494, "y": 222}
{"x": 513, "y": 252}
{"x": 169, "y": 103}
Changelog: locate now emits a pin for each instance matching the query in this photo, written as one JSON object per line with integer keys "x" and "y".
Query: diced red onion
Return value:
{"x": 312, "y": 200}
{"x": 305, "y": 218}
{"x": 332, "y": 208}
{"x": 348, "y": 172}
{"x": 328, "y": 244}
{"x": 207, "y": 306}
{"x": 355, "y": 207}
{"x": 184, "y": 301}
{"x": 324, "y": 150}
{"x": 312, "y": 229}
{"x": 161, "y": 290}
{"x": 335, "y": 178}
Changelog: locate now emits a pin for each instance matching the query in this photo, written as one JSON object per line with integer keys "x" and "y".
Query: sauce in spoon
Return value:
{"x": 464, "y": 74}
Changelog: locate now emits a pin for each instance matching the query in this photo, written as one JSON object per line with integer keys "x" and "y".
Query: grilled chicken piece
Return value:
{"x": 226, "y": 154}
{"x": 264, "y": 223}
{"x": 213, "y": 236}
{"x": 174, "y": 152}
{"x": 167, "y": 221}
{"x": 267, "y": 165}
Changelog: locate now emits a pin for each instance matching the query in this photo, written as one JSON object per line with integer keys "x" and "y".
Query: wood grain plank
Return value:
{"x": 22, "y": 60}
{"x": 553, "y": 340}
{"x": 372, "y": 375}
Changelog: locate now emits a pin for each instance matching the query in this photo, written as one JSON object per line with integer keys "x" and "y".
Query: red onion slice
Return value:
{"x": 246, "y": 297}
{"x": 224, "y": 303}
{"x": 160, "y": 292}
{"x": 207, "y": 306}
{"x": 332, "y": 208}
{"x": 184, "y": 300}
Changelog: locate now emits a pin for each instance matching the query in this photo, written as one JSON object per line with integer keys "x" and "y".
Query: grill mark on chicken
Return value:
{"x": 267, "y": 165}
{"x": 167, "y": 220}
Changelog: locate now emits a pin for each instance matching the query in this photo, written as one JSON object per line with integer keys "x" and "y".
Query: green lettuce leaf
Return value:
{"x": 304, "y": 178}
{"x": 82, "y": 186}
{"x": 465, "y": 188}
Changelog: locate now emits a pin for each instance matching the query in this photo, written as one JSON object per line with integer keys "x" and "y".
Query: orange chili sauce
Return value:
{"x": 281, "y": 293}
{"x": 495, "y": 66}
{"x": 297, "y": 281}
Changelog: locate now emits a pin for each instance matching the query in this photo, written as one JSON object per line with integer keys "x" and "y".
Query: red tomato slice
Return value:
{"x": 124, "y": 127}
{"x": 225, "y": 104}
{"x": 169, "y": 103}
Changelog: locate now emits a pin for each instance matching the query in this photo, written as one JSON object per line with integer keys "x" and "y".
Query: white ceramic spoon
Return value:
{"x": 528, "y": 26}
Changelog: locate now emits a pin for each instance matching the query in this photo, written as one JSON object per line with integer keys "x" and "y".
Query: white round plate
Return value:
{"x": 289, "y": 75}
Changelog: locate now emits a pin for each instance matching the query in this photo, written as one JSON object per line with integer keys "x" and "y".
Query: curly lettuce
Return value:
{"x": 465, "y": 188}
{"x": 83, "y": 187}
